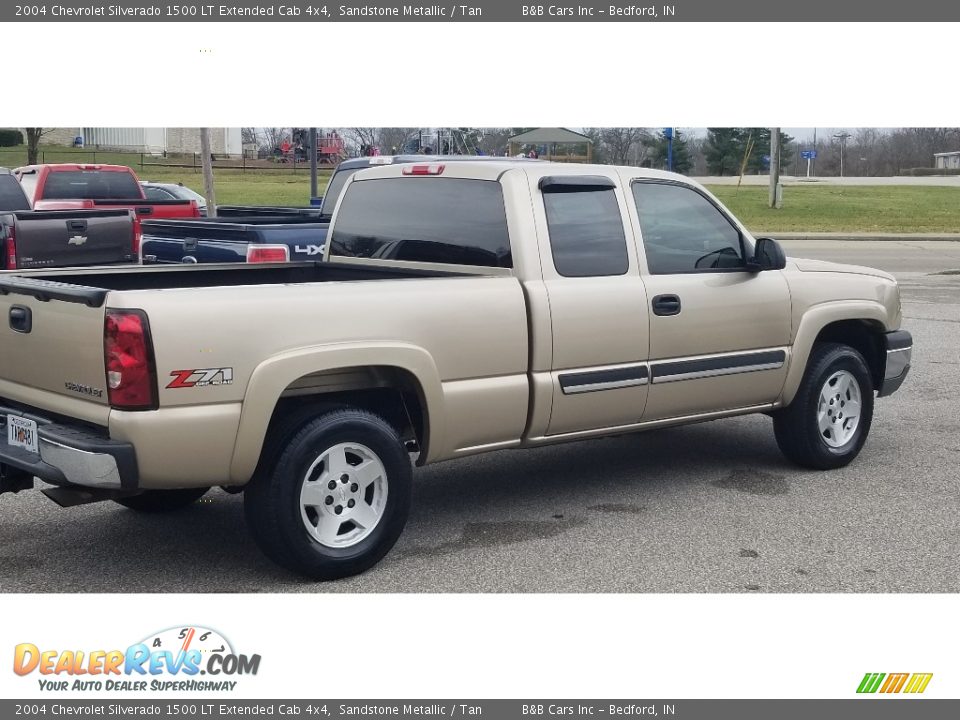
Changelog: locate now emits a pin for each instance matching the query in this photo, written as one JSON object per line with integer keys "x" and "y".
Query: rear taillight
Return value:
{"x": 423, "y": 169}
{"x": 268, "y": 253}
{"x": 10, "y": 250}
{"x": 128, "y": 356}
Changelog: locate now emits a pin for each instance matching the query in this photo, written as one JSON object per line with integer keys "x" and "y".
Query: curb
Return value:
{"x": 863, "y": 237}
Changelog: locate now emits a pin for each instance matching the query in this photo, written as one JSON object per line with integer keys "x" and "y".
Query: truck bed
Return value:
{"x": 86, "y": 285}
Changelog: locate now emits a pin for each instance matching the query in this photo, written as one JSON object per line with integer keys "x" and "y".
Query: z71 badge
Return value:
{"x": 201, "y": 377}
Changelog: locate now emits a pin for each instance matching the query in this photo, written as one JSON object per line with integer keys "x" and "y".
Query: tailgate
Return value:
{"x": 62, "y": 239}
{"x": 168, "y": 241}
{"x": 145, "y": 209}
{"x": 155, "y": 209}
{"x": 51, "y": 344}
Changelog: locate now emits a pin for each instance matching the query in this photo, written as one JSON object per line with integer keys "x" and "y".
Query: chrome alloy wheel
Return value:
{"x": 838, "y": 409}
{"x": 343, "y": 495}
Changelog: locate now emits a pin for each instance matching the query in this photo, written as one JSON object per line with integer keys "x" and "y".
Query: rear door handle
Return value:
{"x": 145, "y": 210}
{"x": 77, "y": 225}
{"x": 666, "y": 305}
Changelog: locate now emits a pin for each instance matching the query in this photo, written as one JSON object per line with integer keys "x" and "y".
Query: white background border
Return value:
{"x": 682, "y": 74}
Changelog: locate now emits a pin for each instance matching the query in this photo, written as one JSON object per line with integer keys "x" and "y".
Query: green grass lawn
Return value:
{"x": 820, "y": 208}
{"x": 888, "y": 209}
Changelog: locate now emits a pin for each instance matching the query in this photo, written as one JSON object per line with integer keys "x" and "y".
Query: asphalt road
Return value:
{"x": 706, "y": 508}
{"x": 923, "y": 181}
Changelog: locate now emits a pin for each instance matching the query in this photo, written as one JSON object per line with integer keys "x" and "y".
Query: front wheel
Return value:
{"x": 828, "y": 421}
{"x": 337, "y": 498}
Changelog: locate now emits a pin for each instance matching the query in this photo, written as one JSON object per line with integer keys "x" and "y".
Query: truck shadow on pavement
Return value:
{"x": 497, "y": 499}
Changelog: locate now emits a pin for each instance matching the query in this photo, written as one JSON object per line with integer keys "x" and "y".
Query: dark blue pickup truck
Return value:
{"x": 262, "y": 234}
{"x": 234, "y": 239}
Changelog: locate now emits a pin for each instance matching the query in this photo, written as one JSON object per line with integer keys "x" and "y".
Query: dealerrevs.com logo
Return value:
{"x": 180, "y": 659}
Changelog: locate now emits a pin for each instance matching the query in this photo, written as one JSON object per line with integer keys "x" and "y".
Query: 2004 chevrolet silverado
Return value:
{"x": 463, "y": 308}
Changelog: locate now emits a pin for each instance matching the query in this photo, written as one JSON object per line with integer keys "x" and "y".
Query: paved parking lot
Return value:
{"x": 706, "y": 508}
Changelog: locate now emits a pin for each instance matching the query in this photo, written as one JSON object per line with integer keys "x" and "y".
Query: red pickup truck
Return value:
{"x": 95, "y": 187}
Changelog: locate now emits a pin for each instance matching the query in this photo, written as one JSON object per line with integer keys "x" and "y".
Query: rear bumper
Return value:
{"x": 71, "y": 455}
{"x": 899, "y": 352}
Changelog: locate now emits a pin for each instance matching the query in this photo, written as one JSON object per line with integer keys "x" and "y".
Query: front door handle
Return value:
{"x": 666, "y": 305}
{"x": 21, "y": 319}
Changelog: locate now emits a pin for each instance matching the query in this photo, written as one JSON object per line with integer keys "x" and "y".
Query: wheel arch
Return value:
{"x": 860, "y": 325}
{"x": 397, "y": 381}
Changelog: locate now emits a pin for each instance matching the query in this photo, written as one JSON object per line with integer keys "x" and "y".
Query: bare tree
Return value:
{"x": 495, "y": 141}
{"x": 271, "y": 137}
{"x": 697, "y": 155}
{"x": 392, "y": 139}
{"x": 364, "y": 137}
{"x": 33, "y": 143}
{"x": 621, "y": 145}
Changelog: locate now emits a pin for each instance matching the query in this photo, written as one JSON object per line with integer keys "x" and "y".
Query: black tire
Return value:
{"x": 272, "y": 498}
{"x": 796, "y": 427}
{"x": 162, "y": 501}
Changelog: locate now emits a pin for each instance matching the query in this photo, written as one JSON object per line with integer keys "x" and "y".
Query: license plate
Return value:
{"x": 22, "y": 433}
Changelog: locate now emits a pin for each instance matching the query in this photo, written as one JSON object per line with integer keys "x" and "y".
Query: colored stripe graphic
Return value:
{"x": 894, "y": 682}
{"x": 918, "y": 683}
{"x": 870, "y": 682}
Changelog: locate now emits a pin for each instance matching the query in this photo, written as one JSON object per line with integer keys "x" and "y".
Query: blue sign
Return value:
{"x": 809, "y": 154}
{"x": 668, "y": 133}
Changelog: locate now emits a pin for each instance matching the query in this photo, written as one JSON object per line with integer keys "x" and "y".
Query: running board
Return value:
{"x": 75, "y": 495}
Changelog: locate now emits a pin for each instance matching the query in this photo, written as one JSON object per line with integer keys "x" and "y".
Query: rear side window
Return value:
{"x": 684, "y": 232}
{"x": 424, "y": 219}
{"x": 90, "y": 185}
{"x": 11, "y": 194}
{"x": 156, "y": 193}
{"x": 586, "y": 232}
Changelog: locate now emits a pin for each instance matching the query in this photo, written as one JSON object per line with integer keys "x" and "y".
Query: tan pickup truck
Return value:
{"x": 462, "y": 308}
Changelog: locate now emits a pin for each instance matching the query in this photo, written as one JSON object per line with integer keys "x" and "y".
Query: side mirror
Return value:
{"x": 767, "y": 255}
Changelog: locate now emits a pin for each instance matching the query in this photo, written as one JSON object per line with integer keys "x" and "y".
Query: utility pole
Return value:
{"x": 313, "y": 163}
{"x": 814, "y": 157}
{"x": 842, "y": 137}
{"x": 206, "y": 159}
{"x": 668, "y": 134}
{"x": 775, "y": 167}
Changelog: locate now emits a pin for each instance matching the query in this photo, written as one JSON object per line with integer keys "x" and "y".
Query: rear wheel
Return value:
{"x": 828, "y": 421}
{"x": 337, "y": 497}
{"x": 161, "y": 501}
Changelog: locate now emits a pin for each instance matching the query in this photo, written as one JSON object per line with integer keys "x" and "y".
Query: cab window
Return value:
{"x": 683, "y": 232}
{"x": 585, "y": 227}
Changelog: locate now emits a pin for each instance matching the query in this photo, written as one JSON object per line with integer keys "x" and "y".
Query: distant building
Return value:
{"x": 947, "y": 160}
{"x": 156, "y": 141}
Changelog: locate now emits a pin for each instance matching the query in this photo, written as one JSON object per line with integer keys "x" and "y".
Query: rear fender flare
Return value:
{"x": 273, "y": 376}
